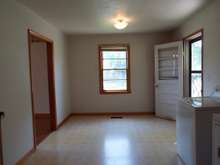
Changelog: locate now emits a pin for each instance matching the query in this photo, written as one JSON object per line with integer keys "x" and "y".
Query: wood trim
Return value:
{"x": 51, "y": 83}
{"x": 25, "y": 157}
{"x": 165, "y": 118}
{"x": 114, "y": 45}
{"x": 193, "y": 34}
{"x": 111, "y": 113}
{"x": 32, "y": 97}
{"x": 128, "y": 71}
{"x": 115, "y": 92}
{"x": 64, "y": 121}
{"x": 40, "y": 36}
{"x": 102, "y": 114}
{"x": 42, "y": 115}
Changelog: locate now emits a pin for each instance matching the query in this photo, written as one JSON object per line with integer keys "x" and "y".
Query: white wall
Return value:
{"x": 15, "y": 98}
{"x": 83, "y": 52}
{"x": 208, "y": 19}
{"x": 40, "y": 77}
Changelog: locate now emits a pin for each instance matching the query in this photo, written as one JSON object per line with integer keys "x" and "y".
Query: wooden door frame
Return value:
{"x": 51, "y": 82}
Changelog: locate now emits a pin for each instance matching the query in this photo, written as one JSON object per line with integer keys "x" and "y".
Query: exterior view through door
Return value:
{"x": 168, "y": 78}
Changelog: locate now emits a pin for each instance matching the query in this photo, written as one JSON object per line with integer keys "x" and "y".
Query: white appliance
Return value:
{"x": 216, "y": 140}
{"x": 194, "y": 129}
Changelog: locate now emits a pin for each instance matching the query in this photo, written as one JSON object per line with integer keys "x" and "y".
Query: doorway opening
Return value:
{"x": 42, "y": 86}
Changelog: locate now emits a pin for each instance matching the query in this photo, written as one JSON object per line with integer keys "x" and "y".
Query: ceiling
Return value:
{"x": 97, "y": 16}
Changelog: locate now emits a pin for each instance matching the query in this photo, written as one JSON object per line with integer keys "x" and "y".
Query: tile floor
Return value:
{"x": 99, "y": 140}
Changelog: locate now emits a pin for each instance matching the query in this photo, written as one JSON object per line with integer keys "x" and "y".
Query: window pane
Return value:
{"x": 115, "y": 85}
{"x": 114, "y": 74}
{"x": 114, "y": 64}
{"x": 197, "y": 55}
{"x": 168, "y": 63}
{"x": 114, "y": 54}
{"x": 196, "y": 84}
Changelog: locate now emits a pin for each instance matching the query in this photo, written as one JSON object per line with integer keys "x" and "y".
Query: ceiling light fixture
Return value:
{"x": 120, "y": 24}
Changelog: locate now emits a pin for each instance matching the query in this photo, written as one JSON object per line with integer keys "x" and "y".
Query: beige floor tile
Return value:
{"x": 99, "y": 140}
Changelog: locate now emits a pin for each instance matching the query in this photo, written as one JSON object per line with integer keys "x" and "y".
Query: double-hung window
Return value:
{"x": 114, "y": 69}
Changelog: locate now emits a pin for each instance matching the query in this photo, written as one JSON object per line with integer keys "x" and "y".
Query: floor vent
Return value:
{"x": 116, "y": 117}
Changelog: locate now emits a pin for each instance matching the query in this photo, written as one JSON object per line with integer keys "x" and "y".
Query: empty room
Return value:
{"x": 110, "y": 82}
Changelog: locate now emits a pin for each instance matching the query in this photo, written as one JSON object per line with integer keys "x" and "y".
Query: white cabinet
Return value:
{"x": 194, "y": 130}
{"x": 216, "y": 140}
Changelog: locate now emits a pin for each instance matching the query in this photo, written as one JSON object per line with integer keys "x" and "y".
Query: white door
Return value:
{"x": 168, "y": 78}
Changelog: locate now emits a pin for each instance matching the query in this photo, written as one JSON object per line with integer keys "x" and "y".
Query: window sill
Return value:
{"x": 102, "y": 92}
